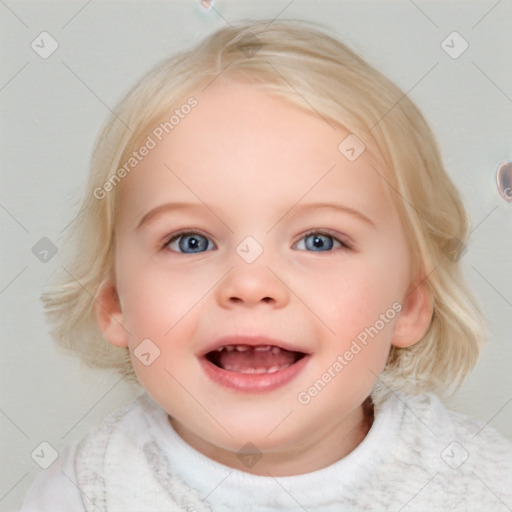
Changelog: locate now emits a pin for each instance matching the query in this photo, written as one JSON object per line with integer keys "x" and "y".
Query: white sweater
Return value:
{"x": 417, "y": 456}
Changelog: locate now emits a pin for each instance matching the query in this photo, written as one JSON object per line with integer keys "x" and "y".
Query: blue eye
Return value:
{"x": 189, "y": 243}
{"x": 319, "y": 242}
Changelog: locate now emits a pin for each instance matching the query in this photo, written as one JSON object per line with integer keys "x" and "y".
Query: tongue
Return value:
{"x": 253, "y": 359}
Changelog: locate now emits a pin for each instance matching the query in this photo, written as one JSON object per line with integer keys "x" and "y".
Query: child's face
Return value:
{"x": 247, "y": 164}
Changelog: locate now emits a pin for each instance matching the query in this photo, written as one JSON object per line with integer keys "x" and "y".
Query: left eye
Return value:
{"x": 318, "y": 242}
{"x": 189, "y": 243}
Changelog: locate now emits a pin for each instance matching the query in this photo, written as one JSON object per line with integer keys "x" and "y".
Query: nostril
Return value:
{"x": 264, "y": 299}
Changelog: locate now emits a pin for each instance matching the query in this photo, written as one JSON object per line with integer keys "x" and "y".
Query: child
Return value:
{"x": 269, "y": 245}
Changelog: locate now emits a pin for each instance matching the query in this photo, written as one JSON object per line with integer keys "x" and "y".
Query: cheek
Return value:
{"x": 355, "y": 294}
{"x": 161, "y": 312}
{"x": 359, "y": 303}
{"x": 154, "y": 298}
{"x": 160, "y": 321}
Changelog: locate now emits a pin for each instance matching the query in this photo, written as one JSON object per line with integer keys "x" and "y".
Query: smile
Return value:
{"x": 251, "y": 366}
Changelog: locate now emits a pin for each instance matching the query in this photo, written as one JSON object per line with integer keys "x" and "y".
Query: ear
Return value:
{"x": 415, "y": 317}
{"x": 109, "y": 315}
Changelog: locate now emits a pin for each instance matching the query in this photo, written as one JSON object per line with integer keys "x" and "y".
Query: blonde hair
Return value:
{"x": 315, "y": 72}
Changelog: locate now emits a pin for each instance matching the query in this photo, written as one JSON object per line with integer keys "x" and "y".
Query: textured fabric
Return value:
{"x": 418, "y": 456}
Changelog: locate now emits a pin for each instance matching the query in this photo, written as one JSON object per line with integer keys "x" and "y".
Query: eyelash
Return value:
{"x": 344, "y": 244}
{"x": 179, "y": 234}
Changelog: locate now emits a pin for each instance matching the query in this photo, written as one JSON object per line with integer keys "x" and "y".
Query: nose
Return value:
{"x": 252, "y": 284}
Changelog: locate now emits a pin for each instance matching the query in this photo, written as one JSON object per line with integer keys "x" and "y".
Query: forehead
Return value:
{"x": 240, "y": 141}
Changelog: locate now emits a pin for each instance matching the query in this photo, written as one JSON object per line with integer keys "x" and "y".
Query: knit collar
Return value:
{"x": 231, "y": 489}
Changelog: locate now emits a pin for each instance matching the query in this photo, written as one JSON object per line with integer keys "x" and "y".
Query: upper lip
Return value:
{"x": 252, "y": 341}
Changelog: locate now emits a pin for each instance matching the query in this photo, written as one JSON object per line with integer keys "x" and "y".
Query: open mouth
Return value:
{"x": 258, "y": 359}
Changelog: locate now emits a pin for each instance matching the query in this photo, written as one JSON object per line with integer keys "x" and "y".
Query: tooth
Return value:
{"x": 229, "y": 367}
{"x": 260, "y": 370}
{"x": 248, "y": 370}
{"x": 263, "y": 348}
{"x": 242, "y": 348}
{"x": 276, "y": 350}
{"x": 229, "y": 348}
{"x": 274, "y": 369}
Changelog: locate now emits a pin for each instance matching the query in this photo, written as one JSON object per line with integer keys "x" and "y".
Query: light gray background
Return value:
{"x": 51, "y": 113}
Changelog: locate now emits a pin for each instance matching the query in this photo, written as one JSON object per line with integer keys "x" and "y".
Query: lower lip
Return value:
{"x": 253, "y": 382}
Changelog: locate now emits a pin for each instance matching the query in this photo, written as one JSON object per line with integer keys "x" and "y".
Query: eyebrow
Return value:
{"x": 338, "y": 208}
{"x": 170, "y": 207}
{"x": 167, "y": 207}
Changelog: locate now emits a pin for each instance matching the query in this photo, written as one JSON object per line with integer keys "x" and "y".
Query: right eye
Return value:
{"x": 189, "y": 243}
